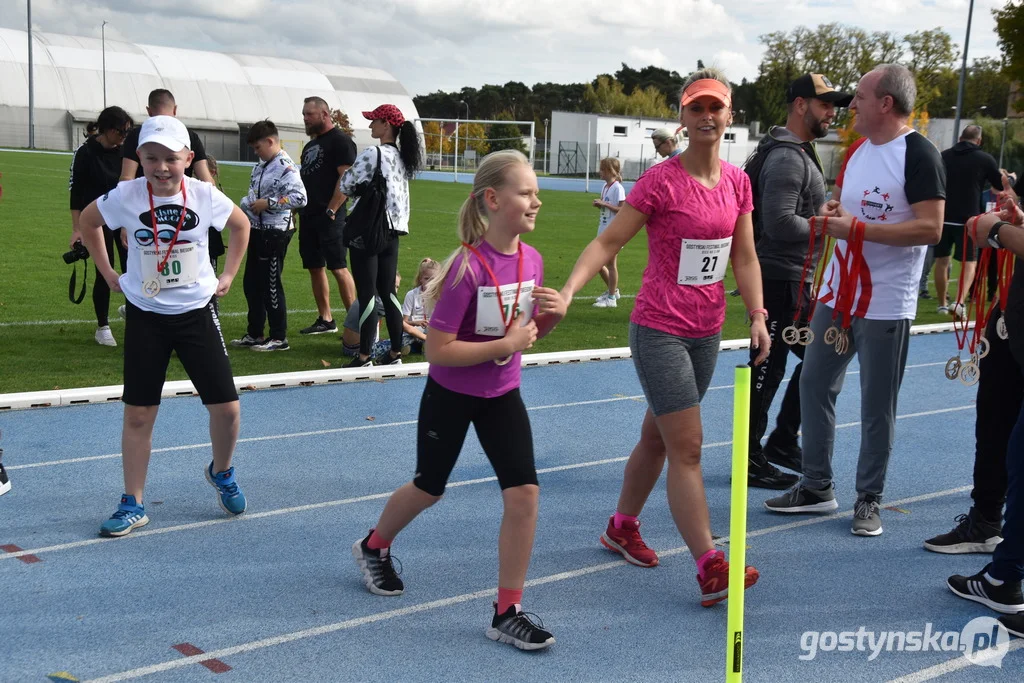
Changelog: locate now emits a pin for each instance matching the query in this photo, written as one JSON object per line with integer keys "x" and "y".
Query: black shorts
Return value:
{"x": 501, "y": 424}
{"x": 149, "y": 339}
{"x": 953, "y": 242}
{"x": 320, "y": 241}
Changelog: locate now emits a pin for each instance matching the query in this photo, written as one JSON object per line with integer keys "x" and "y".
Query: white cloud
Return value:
{"x": 447, "y": 44}
{"x": 643, "y": 56}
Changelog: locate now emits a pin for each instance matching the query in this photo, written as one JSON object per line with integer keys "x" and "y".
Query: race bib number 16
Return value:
{"x": 703, "y": 262}
{"x": 488, "y": 320}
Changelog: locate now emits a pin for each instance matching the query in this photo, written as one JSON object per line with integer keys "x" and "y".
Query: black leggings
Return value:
{"x": 264, "y": 290}
{"x": 502, "y": 426}
{"x": 375, "y": 276}
{"x": 100, "y": 290}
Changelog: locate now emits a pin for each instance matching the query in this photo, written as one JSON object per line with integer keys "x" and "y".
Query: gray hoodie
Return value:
{"x": 790, "y": 190}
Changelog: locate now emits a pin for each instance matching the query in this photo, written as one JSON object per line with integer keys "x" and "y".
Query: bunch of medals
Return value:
{"x": 969, "y": 371}
{"x": 800, "y": 331}
{"x": 850, "y": 264}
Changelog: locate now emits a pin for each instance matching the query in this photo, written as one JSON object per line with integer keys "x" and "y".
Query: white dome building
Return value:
{"x": 219, "y": 95}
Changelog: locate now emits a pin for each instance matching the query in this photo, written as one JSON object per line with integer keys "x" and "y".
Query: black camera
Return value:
{"x": 78, "y": 252}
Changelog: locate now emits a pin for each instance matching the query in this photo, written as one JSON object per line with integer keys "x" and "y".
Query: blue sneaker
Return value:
{"x": 128, "y": 516}
{"x": 232, "y": 500}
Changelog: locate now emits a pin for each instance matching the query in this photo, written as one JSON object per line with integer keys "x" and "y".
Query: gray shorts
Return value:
{"x": 674, "y": 372}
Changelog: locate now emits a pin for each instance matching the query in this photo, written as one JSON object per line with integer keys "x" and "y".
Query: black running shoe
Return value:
{"x": 762, "y": 475}
{"x": 788, "y": 456}
{"x": 972, "y": 534}
{"x": 1006, "y": 598}
{"x": 1014, "y": 623}
{"x": 321, "y": 326}
{"x": 515, "y": 627}
{"x": 379, "y": 573}
{"x": 803, "y": 499}
{"x": 358, "y": 362}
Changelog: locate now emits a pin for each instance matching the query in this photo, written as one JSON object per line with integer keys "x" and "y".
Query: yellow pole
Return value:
{"x": 738, "y": 526}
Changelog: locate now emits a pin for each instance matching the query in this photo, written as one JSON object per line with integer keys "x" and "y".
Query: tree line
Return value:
{"x": 843, "y": 53}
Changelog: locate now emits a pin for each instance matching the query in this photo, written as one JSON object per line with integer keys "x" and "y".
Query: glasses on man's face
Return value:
{"x": 658, "y": 144}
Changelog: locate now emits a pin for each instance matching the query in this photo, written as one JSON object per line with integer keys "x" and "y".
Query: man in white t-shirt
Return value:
{"x": 893, "y": 182}
{"x": 170, "y": 285}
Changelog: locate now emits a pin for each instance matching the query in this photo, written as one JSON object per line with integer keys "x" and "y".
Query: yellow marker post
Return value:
{"x": 738, "y": 526}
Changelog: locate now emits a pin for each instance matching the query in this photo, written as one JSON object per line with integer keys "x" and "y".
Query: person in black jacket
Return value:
{"x": 968, "y": 168}
{"x": 95, "y": 170}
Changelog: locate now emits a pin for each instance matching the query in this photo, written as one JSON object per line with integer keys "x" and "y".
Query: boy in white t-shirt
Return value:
{"x": 169, "y": 286}
{"x": 612, "y": 197}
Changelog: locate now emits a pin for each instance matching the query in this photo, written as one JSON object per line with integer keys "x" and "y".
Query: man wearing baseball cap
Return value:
{"x": 788, "y": 187}
{"x": 170, "y": 285}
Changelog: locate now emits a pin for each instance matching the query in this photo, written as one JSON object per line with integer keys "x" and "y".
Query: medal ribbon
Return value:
{"x": 497, "y": 285}
{"x": 177, "y": 230}
{"x": 850, "y": 267}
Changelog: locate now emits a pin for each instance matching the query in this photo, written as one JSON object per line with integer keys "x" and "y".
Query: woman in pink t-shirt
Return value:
{"x": 697, "y": 211}
{"x": 474, "y": 346}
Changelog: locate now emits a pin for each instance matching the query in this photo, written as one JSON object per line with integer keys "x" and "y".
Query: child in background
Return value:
{"x": 414, "y": 315}
{"x": 612, "y": 197}
{"x": 482, "y": 320}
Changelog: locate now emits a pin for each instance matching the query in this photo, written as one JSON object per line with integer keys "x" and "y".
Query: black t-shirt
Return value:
{"x": 131, "y": 146}
{"x": 321, "y": 158}
{"x": 968, "y": 168}
{"x": 95, "y": 171}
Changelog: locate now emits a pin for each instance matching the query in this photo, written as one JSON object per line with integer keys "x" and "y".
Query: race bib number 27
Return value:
{"x": 703, "y": 262}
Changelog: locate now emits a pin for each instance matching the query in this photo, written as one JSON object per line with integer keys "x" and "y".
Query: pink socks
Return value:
{"x": 704, "y": 559}
{"x": 376, "y": 542}
{"x": 620, "y": 518}
{"x": 508, "y": 597}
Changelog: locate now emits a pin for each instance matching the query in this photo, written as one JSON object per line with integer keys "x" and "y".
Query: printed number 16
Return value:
{"x": 710, "y": 263}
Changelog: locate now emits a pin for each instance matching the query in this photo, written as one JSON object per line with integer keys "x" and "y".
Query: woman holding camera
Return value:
{"x": 95, "y": 170}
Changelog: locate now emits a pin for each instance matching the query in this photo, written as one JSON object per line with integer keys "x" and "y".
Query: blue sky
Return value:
{"x": 446, "y": 44}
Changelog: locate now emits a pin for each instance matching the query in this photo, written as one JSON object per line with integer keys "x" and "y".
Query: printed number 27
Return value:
{"x": 710, "y": 263}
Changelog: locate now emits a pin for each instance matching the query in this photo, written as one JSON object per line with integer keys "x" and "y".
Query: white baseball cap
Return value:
{"x": 167, "y": 131}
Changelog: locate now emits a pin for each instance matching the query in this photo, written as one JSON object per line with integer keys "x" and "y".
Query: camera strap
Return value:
{"x": 74, "y": 279}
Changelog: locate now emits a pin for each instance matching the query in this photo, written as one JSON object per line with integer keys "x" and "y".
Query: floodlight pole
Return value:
{"x": 455, "y": 156}
{"x": 31, "y": 85}
{"x": 103, "y": 41}
{"x": 963, "y": 76}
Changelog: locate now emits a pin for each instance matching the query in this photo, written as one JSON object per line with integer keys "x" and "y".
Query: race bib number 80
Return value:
{"x": 182, "y": 268}
{"x": 488, "y": 321}
{"x": 703, "y": 262}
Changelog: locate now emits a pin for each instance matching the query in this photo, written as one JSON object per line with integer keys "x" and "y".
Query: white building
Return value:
{"x": 581, "y": 139}
{"x": 218, "y": 95}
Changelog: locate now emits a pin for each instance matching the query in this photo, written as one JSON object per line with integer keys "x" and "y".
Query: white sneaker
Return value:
{"x": 104, "y": 337}
{"x": 121, "y": 310}
{"x": 958, "y": 311}
{"x": 601, "y": 301}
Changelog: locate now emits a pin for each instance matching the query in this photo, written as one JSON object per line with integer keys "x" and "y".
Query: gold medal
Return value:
{"x": 806, "y": 336}
{"x": 953, "y": 367}
{"x": 1001, "y": 330}
{"x": 842, "y": 343}
{"x": 831, "y": 335}
{"x": 151, "y": 288}
{"x": 970, "y": 373}
{"x": 791, "y": 335}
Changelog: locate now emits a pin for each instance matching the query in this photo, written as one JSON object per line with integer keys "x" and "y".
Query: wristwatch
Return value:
{"x": 993, "y": 235}
{"x": 332, "y": 213}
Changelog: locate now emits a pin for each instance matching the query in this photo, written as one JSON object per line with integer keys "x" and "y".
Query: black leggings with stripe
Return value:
{"x": 375, "y": 276}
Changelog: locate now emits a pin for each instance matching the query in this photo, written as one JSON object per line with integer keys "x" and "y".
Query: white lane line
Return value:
{"x": 340, "y": 430}
{"x": 373, "y": 496}
{"x": 948, "y": 667}
{"x": 458, "y": 599}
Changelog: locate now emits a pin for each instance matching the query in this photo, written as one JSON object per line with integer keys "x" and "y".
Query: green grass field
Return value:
{"x": 46, "y": 342}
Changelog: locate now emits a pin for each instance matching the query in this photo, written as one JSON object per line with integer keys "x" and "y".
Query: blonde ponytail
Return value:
{"x": 473, "y": 218}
